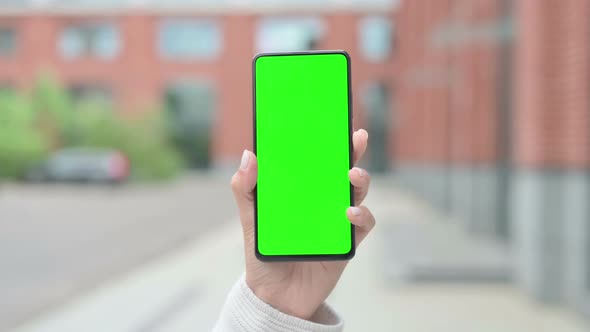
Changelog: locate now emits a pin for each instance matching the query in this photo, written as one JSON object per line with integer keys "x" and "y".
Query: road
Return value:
{"x": 162, "y": 258}
{"x": 58, "y": 240}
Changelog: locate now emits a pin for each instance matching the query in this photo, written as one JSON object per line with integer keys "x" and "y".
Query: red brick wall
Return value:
{"x": 138, "y": 76}
{"x": 552, "y": 81}
{"x": 446, "y": 91}
{"x": 233, "y": 122}
{"x": 449, "y": 114}
{"x": 421, "y": 98}
{"x": 475, "y": 64}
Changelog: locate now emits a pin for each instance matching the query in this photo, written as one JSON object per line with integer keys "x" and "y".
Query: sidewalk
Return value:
{"x": 181, "y": 293}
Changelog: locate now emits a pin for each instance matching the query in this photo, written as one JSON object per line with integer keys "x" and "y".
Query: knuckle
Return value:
{"x": 235, "y": 181}
{"x": 369, "y": 217}
{"x": 372, "y": 222}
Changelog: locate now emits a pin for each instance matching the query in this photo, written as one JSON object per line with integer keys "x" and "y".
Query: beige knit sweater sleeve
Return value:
{"x": 244, "y": 312}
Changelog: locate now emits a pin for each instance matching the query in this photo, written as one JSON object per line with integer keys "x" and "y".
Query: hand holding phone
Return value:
{"x": 297, "y": 288}
{"x": 306, "y": 151}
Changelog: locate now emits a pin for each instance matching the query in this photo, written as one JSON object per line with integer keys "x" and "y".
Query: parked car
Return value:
{"x": 82, "y": 165}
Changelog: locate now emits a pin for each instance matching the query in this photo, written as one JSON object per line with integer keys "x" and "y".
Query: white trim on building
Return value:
{"x": 187, "y": 7}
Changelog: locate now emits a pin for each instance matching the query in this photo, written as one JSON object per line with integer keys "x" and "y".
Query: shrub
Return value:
{"x": 143, "y": 140}
{"x": 21, "y": 144}
{"x": 45, "y": 120}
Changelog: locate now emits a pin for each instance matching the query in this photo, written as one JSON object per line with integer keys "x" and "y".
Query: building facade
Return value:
{"x": 551, "y": 182}
{"x": 481, "y": 107}
{"x": 492, "y": 124}
{"x": 197, "y": 58}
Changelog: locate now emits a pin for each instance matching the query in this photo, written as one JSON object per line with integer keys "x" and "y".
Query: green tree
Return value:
{"x": 35, "y": 124}
{"x": 21, "y": 144}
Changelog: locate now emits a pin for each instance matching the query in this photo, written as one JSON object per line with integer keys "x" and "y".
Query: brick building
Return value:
{"x": 492, "y": 124}
{"x": 552, "y": 149}
{"x": 481, "y": 107}
{"x": 198, "y": 54}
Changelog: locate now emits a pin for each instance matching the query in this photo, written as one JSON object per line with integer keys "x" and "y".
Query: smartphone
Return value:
{"x": 303, "y": 143}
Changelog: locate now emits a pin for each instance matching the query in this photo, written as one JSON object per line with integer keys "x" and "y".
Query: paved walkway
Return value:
{"x": 184, "y": 292}
{"x": 59, "y": 240}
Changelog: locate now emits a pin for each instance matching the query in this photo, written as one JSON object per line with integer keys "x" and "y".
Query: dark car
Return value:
{"x": 83, "y": 165}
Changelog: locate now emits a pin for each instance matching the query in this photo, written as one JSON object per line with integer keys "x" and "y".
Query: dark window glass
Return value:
{"x": 7, "y": 41}
{"x": 190, "y": 106}
{"x": 376, "y": 101}
{"x": 92, "y": 93}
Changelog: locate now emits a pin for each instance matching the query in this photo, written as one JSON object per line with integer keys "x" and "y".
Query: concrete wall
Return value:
{"x": 429, "y": 182}
{"x": 550, "y": 233}
{"x": 469, "y": 194}
{"x": 474, "y": 198}
{"x": 576, "y": 207}
{"x": 549, "y": 217}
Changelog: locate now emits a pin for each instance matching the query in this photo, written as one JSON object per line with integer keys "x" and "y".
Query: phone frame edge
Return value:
{"x": 321, "y": 257}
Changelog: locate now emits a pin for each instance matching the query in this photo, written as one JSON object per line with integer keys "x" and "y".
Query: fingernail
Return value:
{"x": 360, "y": 171}
{"x": 365, "y": 133}
{"x": 245, "y": 160}
{"x": 355, "y": 211}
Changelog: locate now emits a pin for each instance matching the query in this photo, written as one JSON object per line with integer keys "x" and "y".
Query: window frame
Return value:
{"x": 81, "y": 27}
{"x": 362, "y": 31}
{"x": 320, "y": 26}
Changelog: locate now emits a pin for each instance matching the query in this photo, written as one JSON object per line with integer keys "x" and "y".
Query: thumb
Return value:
{"x": 243, "y": 183}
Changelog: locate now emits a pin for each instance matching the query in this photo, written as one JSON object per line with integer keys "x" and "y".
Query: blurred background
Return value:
{"x": 122, "y": 121}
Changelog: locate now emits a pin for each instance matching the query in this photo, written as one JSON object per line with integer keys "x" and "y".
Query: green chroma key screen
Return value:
{"x": 303, "y": 145}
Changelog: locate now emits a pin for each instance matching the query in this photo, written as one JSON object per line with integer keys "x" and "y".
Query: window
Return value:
{"x": 189, "y": 39}
{"x": 285, "y": 34}
{"x": 7, "y": 41}
{"x": 95, "y": 93}
{"x": 376, "y": 101}
{"x": 190, "y": 105}
{"x": 99, "y": 40}
{"x": 375, "y": 38}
